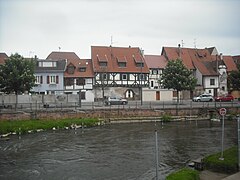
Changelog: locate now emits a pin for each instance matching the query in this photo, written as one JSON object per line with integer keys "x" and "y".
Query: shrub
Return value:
{"x": 228, "y": 165}
{"x": 166, "y": 118}
{"x": 185, "y": 173}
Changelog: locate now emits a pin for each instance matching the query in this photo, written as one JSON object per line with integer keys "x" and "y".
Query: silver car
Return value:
{"x": 203, "y": 98}
{"x": 115, "y": 101}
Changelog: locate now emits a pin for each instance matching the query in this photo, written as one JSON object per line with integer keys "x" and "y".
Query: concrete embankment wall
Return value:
{"x": 111, "y": 114}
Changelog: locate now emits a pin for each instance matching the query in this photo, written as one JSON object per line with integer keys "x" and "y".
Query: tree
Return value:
{"x": 17, "y": 75}
{"x": 176, "y": 76}
{"x": 234, "y": 80}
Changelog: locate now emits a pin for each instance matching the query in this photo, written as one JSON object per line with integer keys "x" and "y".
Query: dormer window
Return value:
{"x": 139, "y": 64}
{"x": 102, "y": 61}
{"x": 122, "y": 61}
{"x": 122, "y": 64}
{"x": 70, "y": 69}
{"x": 103, "y": 64}
{"x": 82, "y": 69}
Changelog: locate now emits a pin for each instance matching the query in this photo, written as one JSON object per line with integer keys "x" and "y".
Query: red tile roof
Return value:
{"x": 3, "y": 57}
{"x": 155, "y": 61}
{"x": 73, "y": 59}
{"x": 192, "y": 58}
{"x": 114, "y": 55}
{"x": 230, "y": 64}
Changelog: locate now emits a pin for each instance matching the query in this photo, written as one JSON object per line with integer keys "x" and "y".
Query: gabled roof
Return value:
{"x": 230, "y": 64}
{"x": 173, "y": 53}
{"x": 155, "y": 61}
{"x": 3, "y": 57}
{"x": 73, "y": 59}
{"x": 81, "y": 63}
{"x": 62, "y": 55}
{"x": 236, "y": 59}
{"x": 114, "y": 55}
{"x": 192, "y": 58}
{"x": 41, "y": 67}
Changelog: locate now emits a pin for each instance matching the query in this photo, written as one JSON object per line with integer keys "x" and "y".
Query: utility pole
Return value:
{"x": 156, "y": 146}
{"x": 238, "y": 119}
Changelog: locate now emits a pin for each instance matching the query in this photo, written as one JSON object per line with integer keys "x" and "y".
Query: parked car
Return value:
{"x": 203, "y": 98}
{"x": 115, "y": 101}
{"x": 224, "y": 98}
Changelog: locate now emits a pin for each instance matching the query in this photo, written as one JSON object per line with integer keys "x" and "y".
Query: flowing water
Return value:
{"x": 111, "y": 152}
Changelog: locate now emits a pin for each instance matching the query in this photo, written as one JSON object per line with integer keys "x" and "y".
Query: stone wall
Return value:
{"x": 112, "y": 113}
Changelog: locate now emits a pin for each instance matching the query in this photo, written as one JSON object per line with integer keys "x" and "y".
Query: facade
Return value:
{"x": 199, "y": 61}
{"x": 49, "y": 76}
{"x": 155, "y": 92}
{"x": 78, "y": 76}
{"x": 3, "y": 57}
{"x": 156, "y": 65}
{"x": 119, "y": 71}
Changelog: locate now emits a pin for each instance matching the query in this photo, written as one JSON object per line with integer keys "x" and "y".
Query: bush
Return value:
{"x": 228, "y": 165}
{"x": 166, "y": 118}
{"x": 185, "y": 173}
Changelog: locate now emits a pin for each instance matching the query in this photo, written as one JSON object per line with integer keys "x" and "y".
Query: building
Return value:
{"x": 155, "y": 92}
{"x": 156, "y": 65}
{"x": 49, "y": 76}
{"x": 3, "y": 57}
{"x": 78, "y": 76}
{"x": 200, "y": 62}
{"x": 119, "y": 71}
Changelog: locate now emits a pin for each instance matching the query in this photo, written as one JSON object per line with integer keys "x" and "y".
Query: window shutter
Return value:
{"x": 47, "y": 79}
{"x": 56, "y": 79}
{"x": 41, "y": 79}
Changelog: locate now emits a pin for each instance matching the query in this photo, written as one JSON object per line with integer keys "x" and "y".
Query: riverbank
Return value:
{"x": 29, "y": 126}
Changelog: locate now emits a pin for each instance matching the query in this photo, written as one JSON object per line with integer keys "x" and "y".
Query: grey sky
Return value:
{"x": 40, "y": 26}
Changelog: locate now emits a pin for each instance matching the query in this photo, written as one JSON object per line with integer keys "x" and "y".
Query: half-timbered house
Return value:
{"x": 119, "y": 71}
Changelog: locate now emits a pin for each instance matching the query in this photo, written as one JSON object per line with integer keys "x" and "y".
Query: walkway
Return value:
{"x": 206, "y": 175}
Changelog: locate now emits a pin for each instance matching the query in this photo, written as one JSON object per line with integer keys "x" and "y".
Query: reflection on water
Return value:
{"x": 121, "y": 151}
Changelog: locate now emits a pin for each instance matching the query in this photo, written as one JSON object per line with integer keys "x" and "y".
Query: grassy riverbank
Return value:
{"x": 24, "y": 126}
{"x": 228, "y": 165}
{"x": 185, "y": 173}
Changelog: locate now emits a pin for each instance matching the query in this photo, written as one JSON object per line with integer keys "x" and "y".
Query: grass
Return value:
{"x": 23, "y": 126}
{"x": 184, "y": 174}
{"x": 228, "y": 165}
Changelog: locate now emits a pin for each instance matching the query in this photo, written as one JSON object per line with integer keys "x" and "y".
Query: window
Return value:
{"x": 80, "y": 81}
{"x": 38, "y": 79}
{"x": 122, "y": 64}
{"x": 154, "y": 71}
{"x": 103, "y": 64}
{"x": 151, "y": 83}
{"x": 139, "y": 64}
{"x": 209, "y": 91}
{"x": 52, "y": 79}
{"x": 83, "y": 94}
{"x": 104, "y": 76}
{"x": 174, "y": 93}
{"x": 212, "y": 82}
{"x": 141, "y": 77}
{"x": 82, "y": 69}
{"x": 70, "y": 69}
{"x": 47, "y": 64}
{"x": 68, "y": 81}
{"x": 124, "y": 77}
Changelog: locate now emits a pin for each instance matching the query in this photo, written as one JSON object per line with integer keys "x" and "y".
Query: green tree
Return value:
{"x": 234, "y": 80}
{"x": 17, "y": 75}
{"x": 176, "y": 76}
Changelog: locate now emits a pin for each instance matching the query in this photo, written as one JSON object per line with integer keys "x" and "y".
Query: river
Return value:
{"x": 111, "y": 152}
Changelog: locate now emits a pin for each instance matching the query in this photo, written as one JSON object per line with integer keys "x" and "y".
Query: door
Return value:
{"x": 157, "y": 95}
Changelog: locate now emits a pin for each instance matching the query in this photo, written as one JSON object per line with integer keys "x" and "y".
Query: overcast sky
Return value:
{"x": 38, "y": 27}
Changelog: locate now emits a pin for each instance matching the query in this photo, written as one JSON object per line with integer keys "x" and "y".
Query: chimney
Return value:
{"x": 179, "y": 51}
